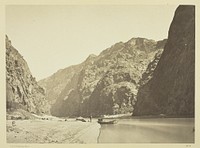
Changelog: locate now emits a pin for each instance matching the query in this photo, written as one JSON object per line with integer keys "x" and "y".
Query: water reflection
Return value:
{"x": 161, "y": 130}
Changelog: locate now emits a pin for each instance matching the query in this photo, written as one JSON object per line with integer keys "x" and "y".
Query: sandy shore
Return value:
{"x": 43, "y": 131}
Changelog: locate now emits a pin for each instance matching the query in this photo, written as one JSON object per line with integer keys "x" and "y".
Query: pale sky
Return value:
{"x": 54, "y": 37}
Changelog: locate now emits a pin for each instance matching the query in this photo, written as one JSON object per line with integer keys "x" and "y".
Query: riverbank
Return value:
{"x": 51, "y": 131}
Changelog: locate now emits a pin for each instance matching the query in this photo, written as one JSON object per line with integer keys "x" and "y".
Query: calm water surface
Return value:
{"x": 158, "y": 130}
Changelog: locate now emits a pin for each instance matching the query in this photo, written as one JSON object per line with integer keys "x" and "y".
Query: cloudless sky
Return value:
{"x": 54, "y": 37}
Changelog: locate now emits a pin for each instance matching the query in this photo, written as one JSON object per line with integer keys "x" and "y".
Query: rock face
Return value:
{"x": 148, "y": 74}
{"x": 56, "y": 83}
{"x": 171, "y": 89}
{"x": 22, "y": 90}
{"x": 103, "y": 84}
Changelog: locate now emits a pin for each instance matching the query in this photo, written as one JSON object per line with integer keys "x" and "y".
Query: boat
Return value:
{"x": 80, "y": 119}
{"x": 100, "y": 121}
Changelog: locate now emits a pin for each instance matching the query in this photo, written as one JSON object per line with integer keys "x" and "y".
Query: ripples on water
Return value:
{"x": 158, "y": 130}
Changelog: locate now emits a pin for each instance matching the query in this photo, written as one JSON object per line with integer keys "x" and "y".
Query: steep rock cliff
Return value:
{"x": 22, "y": 90}
{"x": 171, "y": 89}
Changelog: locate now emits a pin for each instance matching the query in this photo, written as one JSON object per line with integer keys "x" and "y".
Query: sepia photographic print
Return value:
{"x": 94, "y": 73}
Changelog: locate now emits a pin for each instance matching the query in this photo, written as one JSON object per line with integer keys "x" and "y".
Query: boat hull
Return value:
{"x": 107, "y": 122}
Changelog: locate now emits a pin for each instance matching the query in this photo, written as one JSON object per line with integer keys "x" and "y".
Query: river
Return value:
{"x": 157, "y": 130}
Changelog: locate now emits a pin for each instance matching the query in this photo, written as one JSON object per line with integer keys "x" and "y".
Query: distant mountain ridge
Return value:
{"x": 93, "y": 87}
{"x": 56, "y": 82}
